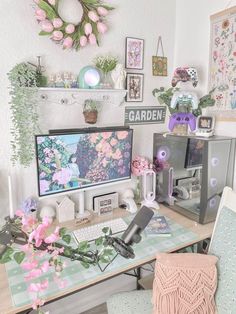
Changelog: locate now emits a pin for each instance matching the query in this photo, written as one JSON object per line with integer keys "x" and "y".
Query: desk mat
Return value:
{"x": 76, "y": 275}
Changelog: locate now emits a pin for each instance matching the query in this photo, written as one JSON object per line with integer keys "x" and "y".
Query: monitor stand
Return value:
{"x": 82, "y": 214}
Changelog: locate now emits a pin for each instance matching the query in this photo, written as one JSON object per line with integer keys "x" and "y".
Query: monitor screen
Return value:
{"x": 194, "y": 153}
{"x": 67, "y": 162}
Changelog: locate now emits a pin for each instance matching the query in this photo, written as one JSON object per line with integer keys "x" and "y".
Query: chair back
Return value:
{"x": 223, "y": 245}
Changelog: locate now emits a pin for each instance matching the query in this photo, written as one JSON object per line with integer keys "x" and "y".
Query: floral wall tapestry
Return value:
{"x": 222, "y": 69}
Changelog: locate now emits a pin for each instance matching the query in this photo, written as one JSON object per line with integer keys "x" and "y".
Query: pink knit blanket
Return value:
{"x": 184, "y": 283}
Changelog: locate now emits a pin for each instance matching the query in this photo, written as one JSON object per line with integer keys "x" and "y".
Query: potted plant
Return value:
{"x": 90, "y": 111}
{"x": 106, "y": 64}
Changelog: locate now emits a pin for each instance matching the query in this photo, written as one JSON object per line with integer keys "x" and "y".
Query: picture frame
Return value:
{"x": 134, "y": 86}
{"x": 134, "y": 53}
{"x": 222, "y": 65}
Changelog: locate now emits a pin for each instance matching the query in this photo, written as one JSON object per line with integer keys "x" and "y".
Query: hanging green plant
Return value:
{"x": 70, "y": 35}
{"x": 23, "y": 91}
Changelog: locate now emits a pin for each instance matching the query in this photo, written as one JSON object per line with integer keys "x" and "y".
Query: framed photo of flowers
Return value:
{"x": 222, "y": 65}
{"x": 134, "y": 85}
{"x": 134, "y": 53}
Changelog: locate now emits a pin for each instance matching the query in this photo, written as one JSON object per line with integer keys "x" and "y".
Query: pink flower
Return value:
{"x": 46, "y": 26}
{"x": 57, "y": 22}
{"x": 102, "y": 28}
{"x": 68, "y": 42}
{"x": 37, "y": 303}
{"x": 117, "y": 154}
{"x": 27, "y": 248}
{"x": 29, "y": 265}
{"x": 102, "y": 11}
{"x": 19, "y": 213}
{"x": 88, "y": 29}
{"x": 113, "y": 142}
{"x": 83, "y": 41}
{"x": 57, "y": 35}
{"x": 34, "y": 273}
{"x": 38, "y": 287}
{"x": 106, "y": 135}
{"x": 70, "y": 28}
{"x": 93, "y": 16}
{"x": 53, "y": 237}
{"x": 36, "y": 1}
{"x": 138, "y": 165}
{"x": 62, "y": 176}
{"x": 40, "y": 14}
{"x": 52, "y": 2}
{"x": 92, "y": 39}
{"x": 45, "y": 266}
{"x": 122, "y": 135}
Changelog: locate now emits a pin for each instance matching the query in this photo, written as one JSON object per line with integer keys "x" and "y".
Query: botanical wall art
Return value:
{"x": 71, "y": 35}
{"x": 134, "y": 53}
{"x": 134, "y": 87}
{"x": 223, "y": 63}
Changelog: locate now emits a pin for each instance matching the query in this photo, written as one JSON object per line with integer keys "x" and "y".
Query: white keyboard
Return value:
{"x": 95, "y": 231}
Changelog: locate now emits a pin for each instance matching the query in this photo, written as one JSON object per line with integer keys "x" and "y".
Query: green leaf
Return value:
{"x": 83, "y": 246}
{"x": 43, "y": 33}
{"x": 62, "y": 231}
{"x": 108, "y": 252}
{"x": 51, "y": 14}
{"x": 67, "y": 252}
{"x": 105, "y": 230}
{"x": 66, "y": 238}
{"x": 104, "y": 259}
{"x": 85, "y": 265}
{"x": 6, "y": 256}
{"x": 19, "y": 257}
{"x": 99, "y": 241}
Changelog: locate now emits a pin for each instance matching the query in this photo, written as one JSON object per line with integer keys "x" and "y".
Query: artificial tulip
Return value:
{"x": 46, "y": 26}
{"x": 40, "y": 14}
{"x": 68, "y": 42}
{"x": 92, "y": 39}
{"x": 83, "y": 41}
{"x": 52, "y": 2}
{"x": 102, "y": 11}
{"x": 88, "y": 29}
{"x": 57, "y": 35}
{"x": 93, "y": 16}
{"x": 102, "y": 28}
{"x": 70, "y": 28}
{"x": 57, "y": 22}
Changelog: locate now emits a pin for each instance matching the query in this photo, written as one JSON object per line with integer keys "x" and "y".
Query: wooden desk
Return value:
{"x": 202, "y": 232}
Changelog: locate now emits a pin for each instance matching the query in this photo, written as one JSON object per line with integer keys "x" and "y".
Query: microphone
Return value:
{"x": 132, "y": 234}
{"x": 137, "y": 225}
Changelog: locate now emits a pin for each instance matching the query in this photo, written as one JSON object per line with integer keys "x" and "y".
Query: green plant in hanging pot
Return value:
{"x": 23, "y": 91}
{"x": 90, "y": 111}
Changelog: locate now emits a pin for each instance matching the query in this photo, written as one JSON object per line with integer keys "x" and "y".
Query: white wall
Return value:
{"x": 192, "y": 38}
{"x": 20, "y": 42}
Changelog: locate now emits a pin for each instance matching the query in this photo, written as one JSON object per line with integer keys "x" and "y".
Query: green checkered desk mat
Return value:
{"x": 76, "y": 275}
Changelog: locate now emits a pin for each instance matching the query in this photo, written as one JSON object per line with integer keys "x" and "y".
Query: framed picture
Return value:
{"x": 222, "y": 65}
{"x": 134, "y": 53}
{"x": 134, "y": 85}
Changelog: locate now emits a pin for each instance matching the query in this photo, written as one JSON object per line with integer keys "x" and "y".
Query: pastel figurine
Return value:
{"x": 59, "y": 81}
{"x": 51, "y": 82}
{"x": 67, "y": 80}
{"x": 74, "y": 83}
{"x": 118, "y": 76}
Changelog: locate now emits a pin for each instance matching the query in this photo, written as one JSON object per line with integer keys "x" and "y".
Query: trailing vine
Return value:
{"x": 70, "y": 35}
{"x": 23, "y": 91}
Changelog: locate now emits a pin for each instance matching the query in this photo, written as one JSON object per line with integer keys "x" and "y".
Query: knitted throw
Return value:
{"x": 184, "y": 283}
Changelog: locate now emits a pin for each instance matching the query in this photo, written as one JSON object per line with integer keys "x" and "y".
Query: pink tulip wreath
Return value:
{"x": 69, "y": 35}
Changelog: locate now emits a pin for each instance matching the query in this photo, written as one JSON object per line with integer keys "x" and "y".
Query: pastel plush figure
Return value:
{"x": 185, "y": 74}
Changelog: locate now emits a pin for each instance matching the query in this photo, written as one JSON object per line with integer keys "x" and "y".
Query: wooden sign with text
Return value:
{"x": 144, "y": 115}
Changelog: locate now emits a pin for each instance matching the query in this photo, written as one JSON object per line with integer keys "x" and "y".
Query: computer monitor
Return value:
{"x": 76, "y": 161}
{"x": 194, "y": 153}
